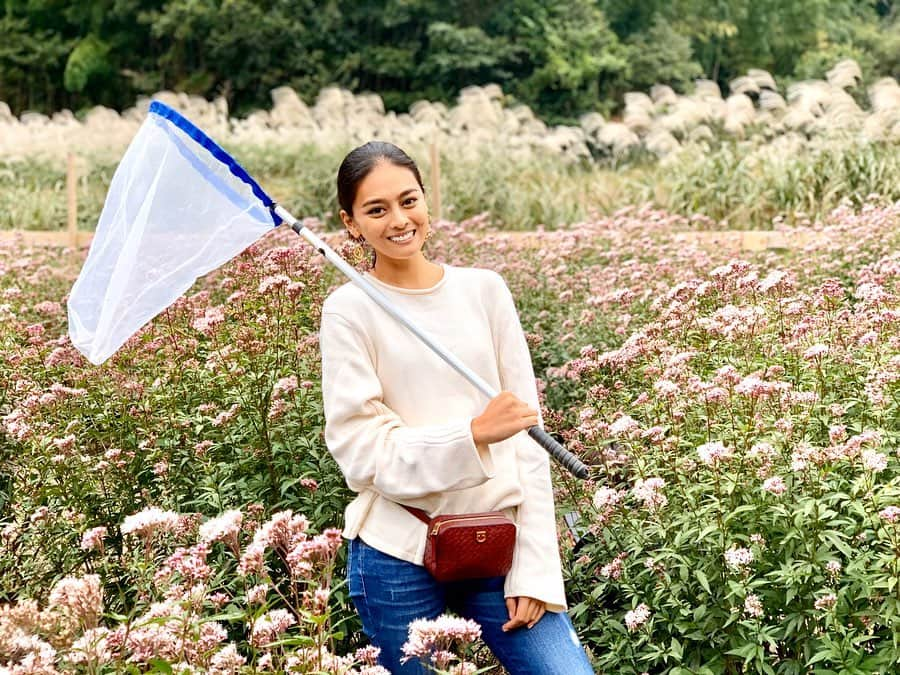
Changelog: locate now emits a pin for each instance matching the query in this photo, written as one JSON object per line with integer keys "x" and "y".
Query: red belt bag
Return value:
{"x": 468, "y": 545}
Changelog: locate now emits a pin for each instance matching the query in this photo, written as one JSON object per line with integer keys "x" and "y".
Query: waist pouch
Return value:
{"x": 468, "y": 545}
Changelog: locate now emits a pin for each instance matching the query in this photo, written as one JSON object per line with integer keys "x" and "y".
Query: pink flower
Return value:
{"x": 93, "y": 539}
{"x": 648, "y": 493}
{"x": 257, "y": 595}
{"x": 772, "y": 280}
{"x": 48, "y": 308}
{"x": 891, "y": 514}
{"x": 623, "y": 426}
{"x": 273, "y": 282}
{"x": 222, "y": 528}
{"x": 727, "y": 376}
{"x": 427, "y": 636}
{"x": 815, "y": 352}
{"x": 145, "y": 523}
{"x": 837, "y": 433}
{"x": 738, "y": 558}
{"x": 269, "y": 626}
{"x": 666, "y": 388}
{"x": 211, "y": 319}
{"x": 226, "y": 415}
{"x": 637, "y": 617}
{"x": 277, "y": 409}
{"x": 201, "y": 448}
{"x": 226, "y": 661}
{"x": 874, "y": 461}
{"x": 286, "y": 385}
{"x": 614, "y": 569}
{"x": 91, "y": 648}
{"x": 368, "y": 655}
{"x": 253, "y": 560}
{"x": 712, "y": 454}
{"x": 775, "y": 485}
{"x": 752, "y": 606}
{"x": 189, "y": 563}
{"x": 827, "y": 601}
{"x": 715, "y": 395}
{"x": 81, "y": 599}
{"x": 605, "y": 497}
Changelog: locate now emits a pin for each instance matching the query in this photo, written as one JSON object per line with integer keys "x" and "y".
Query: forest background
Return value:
{"x": 560, "y": 58}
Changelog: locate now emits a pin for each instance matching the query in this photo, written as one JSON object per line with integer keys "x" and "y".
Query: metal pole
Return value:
{"x": 545, "y": 440}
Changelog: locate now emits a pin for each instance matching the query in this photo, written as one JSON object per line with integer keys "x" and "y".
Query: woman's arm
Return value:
{"x": 371, "y": 443}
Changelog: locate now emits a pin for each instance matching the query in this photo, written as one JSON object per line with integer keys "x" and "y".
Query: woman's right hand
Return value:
{"x": 504, "y": 416}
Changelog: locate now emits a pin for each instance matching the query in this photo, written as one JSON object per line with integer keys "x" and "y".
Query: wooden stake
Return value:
{"x": 72, "y": 194}
{"x": 435, "y": 182}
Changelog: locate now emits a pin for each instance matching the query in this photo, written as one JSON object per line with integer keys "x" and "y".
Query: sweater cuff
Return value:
{"x": 547, "y": 589}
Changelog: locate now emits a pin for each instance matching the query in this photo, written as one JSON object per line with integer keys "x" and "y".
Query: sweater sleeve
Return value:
{"x": 370, "y": 442}
{"x": 536, "y": 569}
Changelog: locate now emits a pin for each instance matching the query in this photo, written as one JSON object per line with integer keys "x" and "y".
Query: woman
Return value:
{"x": 406, "y": 429}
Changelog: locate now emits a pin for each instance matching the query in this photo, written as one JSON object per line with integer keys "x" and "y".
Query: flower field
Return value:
{"x": 176, "y": 511}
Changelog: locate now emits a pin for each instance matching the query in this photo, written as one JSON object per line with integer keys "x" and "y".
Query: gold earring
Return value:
{"x": 358, "y": 252}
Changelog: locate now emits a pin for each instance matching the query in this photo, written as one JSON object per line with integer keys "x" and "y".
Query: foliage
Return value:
{"x": 662, "y": 55}
{"x": 657, "y": 360}
{"x": 186, "y": 416}
{"x": 89, "y": 59}
{"x": 562, "y": 59}
{"x": 198, "y": 584}
{"x": 745, "y": 512}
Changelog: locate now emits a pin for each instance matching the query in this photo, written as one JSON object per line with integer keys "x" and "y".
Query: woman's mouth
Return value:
{"x": 402, "y": 238}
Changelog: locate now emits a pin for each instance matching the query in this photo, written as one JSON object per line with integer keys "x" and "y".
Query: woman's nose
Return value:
{"x": 398, "y": 218}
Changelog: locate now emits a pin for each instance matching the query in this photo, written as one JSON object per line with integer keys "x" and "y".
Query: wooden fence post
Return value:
{"x": 72, "y": 194}
{"x": 435, "y": 182}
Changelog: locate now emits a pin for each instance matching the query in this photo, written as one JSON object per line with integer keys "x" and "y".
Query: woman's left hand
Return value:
{"x": 523, "y": 611}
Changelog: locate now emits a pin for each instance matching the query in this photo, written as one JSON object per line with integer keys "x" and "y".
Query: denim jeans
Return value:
{"x": 390, "y": 593}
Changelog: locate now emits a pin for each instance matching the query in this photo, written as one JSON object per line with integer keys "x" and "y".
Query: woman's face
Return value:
{"x": 389, "y": 212}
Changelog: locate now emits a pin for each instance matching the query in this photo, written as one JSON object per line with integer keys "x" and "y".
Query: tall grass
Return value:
{"x": 748, "y": 185}
{"x": 740, "y": 184}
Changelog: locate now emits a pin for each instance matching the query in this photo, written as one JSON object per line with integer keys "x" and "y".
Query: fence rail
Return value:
{"x": 743, "y": 240}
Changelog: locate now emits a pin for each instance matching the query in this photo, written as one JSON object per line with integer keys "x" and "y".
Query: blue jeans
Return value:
{"x": 390, "y": 593}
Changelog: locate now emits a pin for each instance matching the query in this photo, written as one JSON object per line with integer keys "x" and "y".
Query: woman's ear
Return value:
{"x": 347, "y": 219}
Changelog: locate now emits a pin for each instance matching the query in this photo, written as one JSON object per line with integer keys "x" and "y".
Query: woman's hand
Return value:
{"x": 504, "y": 416}
{"x": 523, "y": 611}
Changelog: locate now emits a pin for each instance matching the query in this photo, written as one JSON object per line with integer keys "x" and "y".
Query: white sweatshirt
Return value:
{"x": 397, "y": 420}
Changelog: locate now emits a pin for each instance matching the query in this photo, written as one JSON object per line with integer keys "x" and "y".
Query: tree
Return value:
{"x": 573, "y": 57}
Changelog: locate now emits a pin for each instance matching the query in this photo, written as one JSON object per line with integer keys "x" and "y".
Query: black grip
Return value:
{"x": 558, "y": 451}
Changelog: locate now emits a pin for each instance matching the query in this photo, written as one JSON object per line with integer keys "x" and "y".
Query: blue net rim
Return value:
{"x": 162, "y": 110}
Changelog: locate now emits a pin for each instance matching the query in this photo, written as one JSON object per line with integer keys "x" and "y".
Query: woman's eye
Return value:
{"x": 410, "y": 201}
{"x": 375, "y": 211}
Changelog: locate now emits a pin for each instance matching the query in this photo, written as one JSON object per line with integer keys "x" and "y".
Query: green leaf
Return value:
{"x": 701, "y": 577}
{"x": 89, "y": 59}
{"x": 159, "y": 666}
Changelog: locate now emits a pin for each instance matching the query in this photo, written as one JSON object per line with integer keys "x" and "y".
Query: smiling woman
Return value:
{"x": 408, "y": 431}
{"x": 386, "y": 207}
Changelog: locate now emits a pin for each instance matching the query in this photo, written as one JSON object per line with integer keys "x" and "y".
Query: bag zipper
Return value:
{"x": 437, "y": 526}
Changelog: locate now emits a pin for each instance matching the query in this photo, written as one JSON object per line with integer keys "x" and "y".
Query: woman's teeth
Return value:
{"x": 406, "y": 236}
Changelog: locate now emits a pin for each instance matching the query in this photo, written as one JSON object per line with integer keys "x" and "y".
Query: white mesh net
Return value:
{"x": 175, "y": 211}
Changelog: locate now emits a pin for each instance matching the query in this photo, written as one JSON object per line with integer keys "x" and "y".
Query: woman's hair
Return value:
{"x": 360, "y": 161}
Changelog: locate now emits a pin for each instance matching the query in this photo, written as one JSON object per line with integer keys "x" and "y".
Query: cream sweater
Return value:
{"x": 397, "y": 420}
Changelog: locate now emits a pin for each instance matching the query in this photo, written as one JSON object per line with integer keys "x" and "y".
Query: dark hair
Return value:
{"x": 360, "y": 161}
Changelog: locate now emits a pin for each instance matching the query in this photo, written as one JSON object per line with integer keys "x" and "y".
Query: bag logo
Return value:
{"x": 481, "y": 536}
